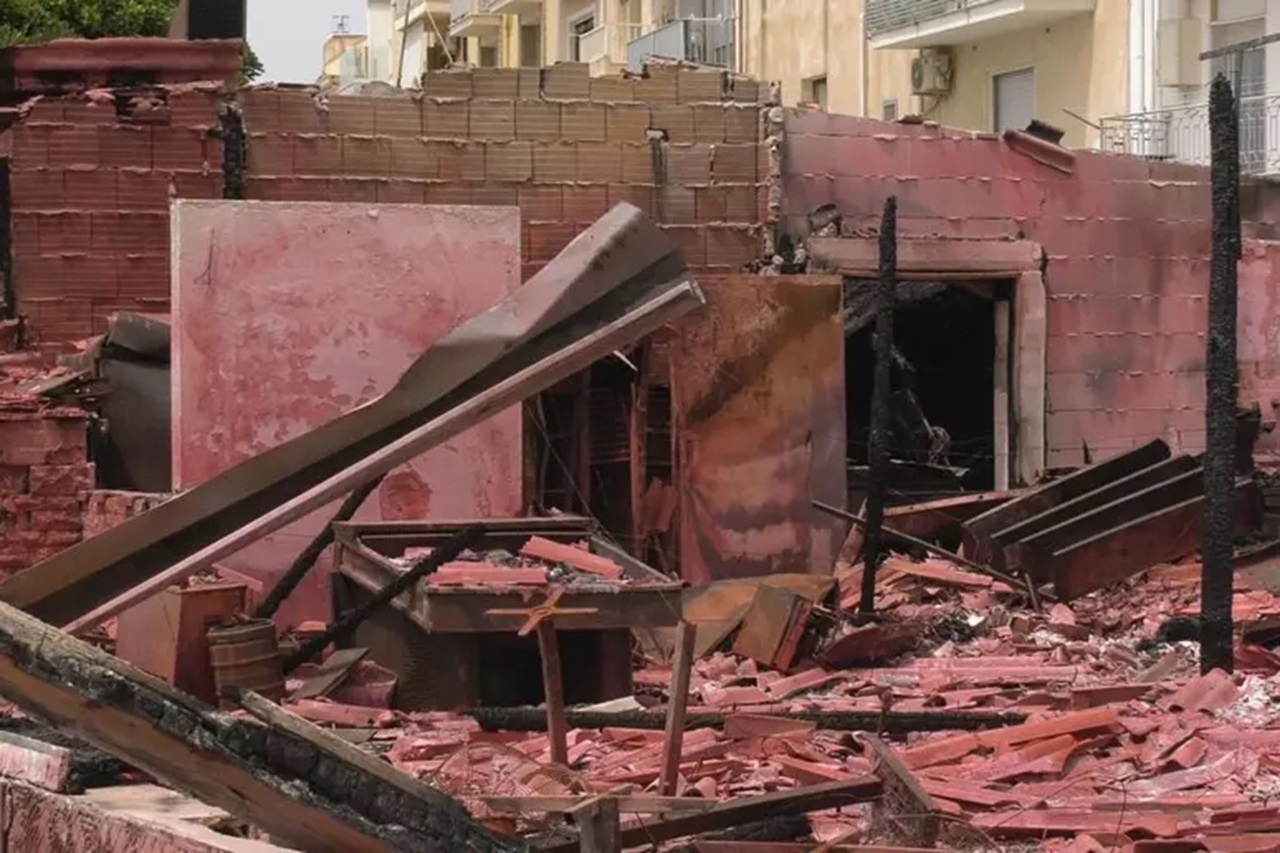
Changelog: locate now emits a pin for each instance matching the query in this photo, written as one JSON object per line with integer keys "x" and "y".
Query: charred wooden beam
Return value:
{"x": 978, "y": 530}
{"x": 892, "y": 722}
{"x": 302, "y": 794}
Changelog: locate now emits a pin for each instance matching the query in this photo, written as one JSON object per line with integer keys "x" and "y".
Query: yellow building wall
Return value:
{"x": 1080, "y": 62}
{"x": 793, "y": 41}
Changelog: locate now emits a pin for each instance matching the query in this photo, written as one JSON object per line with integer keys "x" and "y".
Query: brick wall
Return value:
{"x": 561, "y": 145}
{"x": 1127, "y": 243}
{"x": 91, "y": 182}
{"x": 104, "y": 509}
{"x": 44, "y": 479}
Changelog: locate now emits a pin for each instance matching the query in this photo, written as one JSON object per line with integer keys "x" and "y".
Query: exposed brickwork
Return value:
{"x": 104, "y": 509}
{"x": 44, "y": 479}
{"x": 1127, "y": 242}
{"x": 561, "y": 145}
{"x": 91, "y": 183}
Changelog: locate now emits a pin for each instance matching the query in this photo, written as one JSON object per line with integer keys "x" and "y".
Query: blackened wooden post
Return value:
{"x": 1220, "y": 410}
{"x": 878, "y": 443}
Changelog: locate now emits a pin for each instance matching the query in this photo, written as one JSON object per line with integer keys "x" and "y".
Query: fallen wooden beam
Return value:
{"x": 303, "y": 794}
{"x": 627, "y": 804}
{"x": 979, "y": 529}
{"x": 907, "y": 804}
{"x": 814, "y": 798}
{"x": 894, "y": 722}
{"x": 677, "y": 706}
{"x": 621, "y": 262}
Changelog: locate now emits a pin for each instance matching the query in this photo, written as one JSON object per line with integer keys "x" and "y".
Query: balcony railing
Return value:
{"x": 1182, "y": 134}
{"x": 888, "y": 15}
{"x": 607, "y": 41}
{"x": 469, "y": 18}
{"x": 704, "y": 40}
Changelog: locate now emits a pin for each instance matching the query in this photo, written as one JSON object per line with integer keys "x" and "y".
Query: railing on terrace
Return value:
{"x": 607, "y": 41}
{"x": 1182, "y": 134}
{"x": 885, "y": 16}
{"x": 709, "y": 41}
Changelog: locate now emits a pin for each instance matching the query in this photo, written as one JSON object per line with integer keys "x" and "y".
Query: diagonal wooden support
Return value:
{"x": 298, "y": 790}
{"x": 677, "y": 706}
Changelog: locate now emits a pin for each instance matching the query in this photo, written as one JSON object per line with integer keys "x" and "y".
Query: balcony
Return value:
{"x": 940, "y": 23}
{"x": 468, "y": 19}
{"x": 511, "y": 7}
{"x": 708, "y": 41}
{"x": 1181, "y": 134}
{"x": 605, "y": 47}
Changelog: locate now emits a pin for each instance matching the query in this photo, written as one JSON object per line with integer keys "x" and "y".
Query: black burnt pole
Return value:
{"x": 1221, "y": 381}
{"x": 878, "y": 442}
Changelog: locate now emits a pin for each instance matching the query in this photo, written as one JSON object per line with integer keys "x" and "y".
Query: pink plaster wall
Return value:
{"x": 1127, "y": 242}
{"x": 287, "y": 314}
{"x": 1258, "y": 343}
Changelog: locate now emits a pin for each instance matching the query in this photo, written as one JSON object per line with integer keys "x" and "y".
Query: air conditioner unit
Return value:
{"x": 931, "y": 73}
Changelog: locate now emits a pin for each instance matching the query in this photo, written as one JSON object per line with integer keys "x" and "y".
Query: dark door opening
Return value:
{"x": 944, "y": 389}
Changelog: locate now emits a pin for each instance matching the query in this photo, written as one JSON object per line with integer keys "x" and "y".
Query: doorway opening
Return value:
{"x": 949, "y": 369}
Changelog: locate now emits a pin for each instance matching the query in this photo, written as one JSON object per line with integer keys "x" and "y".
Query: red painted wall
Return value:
{"x": 1127, "y": 243}
{"x": 1258, "y": 328}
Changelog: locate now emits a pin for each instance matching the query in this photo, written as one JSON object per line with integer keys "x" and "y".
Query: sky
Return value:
{"x": 288, "y": 35}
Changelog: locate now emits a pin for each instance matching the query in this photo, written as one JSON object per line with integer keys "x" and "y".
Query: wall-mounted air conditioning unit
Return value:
{"x": 931, "y": 72}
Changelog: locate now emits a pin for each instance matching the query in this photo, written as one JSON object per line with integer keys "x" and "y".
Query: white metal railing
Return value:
{"x": 459, "y": 9}
{"x": 1182, "y": 134}
{"x": 884, "y": 16}
{"x": 607, "y": 41}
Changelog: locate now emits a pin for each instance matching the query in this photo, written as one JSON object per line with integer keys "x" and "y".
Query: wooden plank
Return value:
{"x": 308, "y": 797}
{"x": 746, "y": 810}
{"x": 599, "y": 827}
{"x": 1034, "y": 551}
{"x": 553, "y": 691}
{"x": 677, "y": 704}
{"x": 1005, "y": 556}
{"x": 27, "y": 590}
{"x": 627, "y": 804}
{"x": 978, "y": 530}
{"x": 909, "y": 805}
{"x": 1136, "y": 545}
{"x": 859, "y": 257}
{"x": 330, "y": 673}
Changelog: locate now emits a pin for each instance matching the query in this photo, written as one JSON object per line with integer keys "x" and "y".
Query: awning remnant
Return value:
{"x": 602, "y": 287}
{"x": 295, "y": 787}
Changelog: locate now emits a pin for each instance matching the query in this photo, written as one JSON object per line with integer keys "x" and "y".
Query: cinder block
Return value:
{"x": 600, "y": 162}
{"x": 638, "y": 163}
{"x": 676, "y": 121}
{"x": 548, "y": 239}
{"x": 366, "y": 156}
{"x": 743, "y": 90}
{"x": 676, "y": 205}
{"x": 122, "y": 145}
{"x": 460, "y": 161}
{"x": 492, "y": 121}
{"x": 530, "y": 83}
{"x": 72, "y": 145}
{"x": 700, "y": 85}
{"x": 261, "y": 110}
{"x": 413, "y": 157}
{"x": 270, "y": 154}
{"x": 398, "y": 117}
{"x": 627, "y": 122}
{"x": 555, "y": 162}
{"x": 741, "y": 123}
{"x": 658, "y": 85}
{"x": 709, "y": 123}
{"x": 450, "y": 83}
{"x": 449, "y": 192}
{"x": 583, "y": 122}
{"x": 692, "y": 242}
{"x": 732, "y": 246}
{"x": 203, "y": 183}
{"x": 446, "y": 119}
{"x": 734, "y": 164}
{"x": 86, "y": 111}
{"x": 509, "y": 161}
{"x": 690, "y": 164}
{"x": 402, "y": 191}
{"x": 612, "y": 90}
{"x": 537, "y": 120}
{"x": 140, "y": 190}
{"x": 298, "y": 113}
{"x": 496, "y": 195}
{"x": 360, "y": 190}
{"x": 91, "y": 188}
{"x": 567, "y": 81}
{"x": 350, "y": 115}
{"x": 194, "y": 108}
{"x": 63, "y": 232}
{"x": 37, "y": 189}
{"x": 541, "y": 202}
{"x": 317, "y": 155}
{"x": 585, "y": 204}
{"x": 500, "y": 83}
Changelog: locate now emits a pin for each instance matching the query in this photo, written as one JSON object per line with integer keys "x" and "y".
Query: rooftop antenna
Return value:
{"x": 340, "y": 24}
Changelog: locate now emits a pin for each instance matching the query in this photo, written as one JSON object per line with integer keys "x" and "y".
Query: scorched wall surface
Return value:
{"x": 289, "y": 314}
{"x": 1127, "y": 241}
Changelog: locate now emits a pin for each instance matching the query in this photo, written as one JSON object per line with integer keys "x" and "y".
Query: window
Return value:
{"x": 579, "y": 27}
{"x": 1247, "y": 72}
{"x": 815, "y": 91}
{"x": 889, "y": 110}
{"x": 488, "y": 56}
{"x": 1014, "y": 99}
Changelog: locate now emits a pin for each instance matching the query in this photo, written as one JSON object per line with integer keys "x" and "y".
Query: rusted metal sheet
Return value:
{"x": 759, "y": 411}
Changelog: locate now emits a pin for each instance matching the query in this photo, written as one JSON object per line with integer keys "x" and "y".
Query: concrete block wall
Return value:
{"x": 90, "y": 185}
{"x": 44, "y": 481}
{"x": 1127, "y": 243}
{"x": 561, "y": 145}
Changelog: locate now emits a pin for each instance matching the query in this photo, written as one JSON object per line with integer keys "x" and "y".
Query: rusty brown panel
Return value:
{"x": 759, "y": 413}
